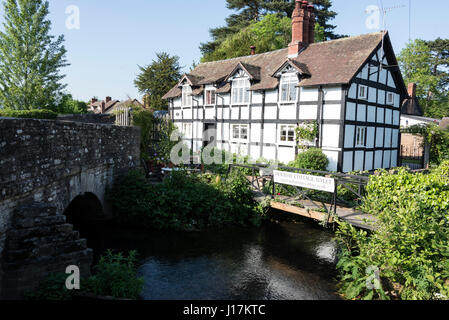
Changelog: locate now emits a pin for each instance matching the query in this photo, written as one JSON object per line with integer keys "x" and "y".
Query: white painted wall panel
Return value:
{"x": 378, "y": 160}
{"x": 350, "y": 111}
{"x": 177, "y": 102}
{"x": 380, "y": 137}
{"x": 370, "y": 137}
{"x": 394, "y": 159}
{"x": 332, "y": 111}
{"x": 333, "y": 160}
{"x": 255, "y": 152}
{"x": 270, "y": 133}
{"x": 309, "y": 94}
{"x": 380, "y": 115}
{"x": 271, "y": 113}
{"x": 372, "y": 114}
{"x": 395, "y": 138}
{"x": 347, "y": 161}
{"x": 369, "y": 157}
{"x": 361, "y": 113}
{"x": 372, "y": 95}
{"x": 210, "y": 113}
{"x": 245, "y": 113}
{"x": 349, "y": 136}
{"x": 352, "y": 91}
{"x": 269, "y": 153}
{"x": 396, "y": 118}
{"x": 374, "y": 71}
{"x": 332, "y": 93}
{"x": 308, "y": 112}
{"x": 287, "y": 112}
{"x": 387, "y": 160}
{"x": 235, "y": 113}
{"x": 331, "y": 135}
{"x": 271, "y": 96}
{"x": 358, "y": 161}
{"x": 286, "y": 155}
{"x": 397, "y": 100}
{"x": 256, "y": 113}
{"x": 383, "y": 76}
{"x": 389, "y": 116}
{"x": 257, "y": 97}
{"x": 381, "y": 96}
{"x": 256, "y": 132}
{"x": 387, "y": 138}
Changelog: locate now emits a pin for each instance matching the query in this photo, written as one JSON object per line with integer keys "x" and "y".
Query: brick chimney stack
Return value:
{"x": 253, "y": 50}
{"x": 103, "y": 107}
{"x": 108, "y": 99}
{"x": 303, "y": 28}
{"x": 412, "y": 90}
{"x": 94, "y": 100}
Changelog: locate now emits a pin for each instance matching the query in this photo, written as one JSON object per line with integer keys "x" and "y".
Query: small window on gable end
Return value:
{"x": 186, "y": 96}
{"x": 363, "y": 92}
{"x": 390, "y": 98}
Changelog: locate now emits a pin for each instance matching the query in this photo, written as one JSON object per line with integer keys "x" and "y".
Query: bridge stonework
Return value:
{"x": 44, "y": 165}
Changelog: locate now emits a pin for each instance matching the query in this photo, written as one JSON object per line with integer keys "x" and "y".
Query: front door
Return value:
{"x": 210, "y": 134}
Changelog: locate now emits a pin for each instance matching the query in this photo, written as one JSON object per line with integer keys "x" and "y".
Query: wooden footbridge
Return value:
{"x": 311, "y": 194}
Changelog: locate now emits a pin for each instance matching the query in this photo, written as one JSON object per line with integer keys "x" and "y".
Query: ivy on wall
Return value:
{"x": 306, "y": 132}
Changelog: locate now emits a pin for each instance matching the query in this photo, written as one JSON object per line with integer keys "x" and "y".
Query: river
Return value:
{"x": 279, "y": 261}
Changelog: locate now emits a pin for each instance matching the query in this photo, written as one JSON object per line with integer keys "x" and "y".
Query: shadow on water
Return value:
{"x": 279, "y": 261}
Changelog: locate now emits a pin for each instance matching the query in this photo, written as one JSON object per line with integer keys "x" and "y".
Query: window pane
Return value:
{"x": 244, "y": 132}
{"x": 292, "y": 96}
{"x": 284, "y": 89}
{"x": 235, "y": 132}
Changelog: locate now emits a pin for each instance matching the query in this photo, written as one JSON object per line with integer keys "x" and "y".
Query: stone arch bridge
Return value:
{"x": 44, "y": 166}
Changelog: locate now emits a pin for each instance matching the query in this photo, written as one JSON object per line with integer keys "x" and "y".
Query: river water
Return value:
{"x": 279, "y": 261}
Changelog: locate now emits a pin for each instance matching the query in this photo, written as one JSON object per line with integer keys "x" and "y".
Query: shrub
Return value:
{"x": 312, "y": 159}
{"x": 411, "y": 244}
{"x": 116, "y": 276}
{"x": 28, "y": 114}
{"x": 185, "y": 202}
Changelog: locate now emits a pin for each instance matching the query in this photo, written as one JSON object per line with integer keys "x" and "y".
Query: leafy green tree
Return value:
{"x": 419, "y": 65}
{"x": 68, "y": 105}
{"x": 156, "y": 79}
{"x": 30, "y": 58}
{"x": 271, "y": 33}
{"x": 439, "y": 50}
{"x": 250, "y": 11}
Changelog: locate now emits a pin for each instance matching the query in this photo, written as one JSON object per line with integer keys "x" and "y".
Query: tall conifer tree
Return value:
{"x": 30, "y": 58}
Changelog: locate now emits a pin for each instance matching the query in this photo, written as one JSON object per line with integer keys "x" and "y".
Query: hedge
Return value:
{"x": 28, "y": 114}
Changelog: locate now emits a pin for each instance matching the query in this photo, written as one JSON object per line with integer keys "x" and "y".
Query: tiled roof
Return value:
{"x": 330, "y": 62}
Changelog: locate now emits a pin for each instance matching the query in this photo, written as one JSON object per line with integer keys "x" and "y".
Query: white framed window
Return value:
{"x": 186, "y": 96}
{"x": 240, "y": 132}
{"x": 390, "y": 98}
{"x": 287, "y": 134}
{"x": 211, "y": 97}
{"x": 360, "y": 139}
{"x": 363, "y": 92}
{"x": 187, "y": 130}
{"x": 240, "y": 91}
{"x": 289, "y": 91}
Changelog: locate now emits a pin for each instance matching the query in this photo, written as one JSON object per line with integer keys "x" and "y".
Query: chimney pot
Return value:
{"x": 103, "y": 106}
{"x": 412, "y": 90}
{"x": 253, "y": 50}
{"x": 108, "y": 99}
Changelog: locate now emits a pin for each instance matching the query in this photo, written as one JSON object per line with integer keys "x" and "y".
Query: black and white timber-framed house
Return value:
{"x": 351, "y": 87}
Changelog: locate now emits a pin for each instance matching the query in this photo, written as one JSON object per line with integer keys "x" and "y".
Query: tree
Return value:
{"x": 419, "y": 65}
{"x": 439, "y": 49}
{"x": 68, "y": 105}
{"x": 30, "y": 58}
{"x": 156, "y": 79}
{"x": 271, "y": 33}
{"x": 249, "y": 11}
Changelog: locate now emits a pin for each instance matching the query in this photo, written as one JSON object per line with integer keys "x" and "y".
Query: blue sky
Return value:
{"x": 116, "y": 36}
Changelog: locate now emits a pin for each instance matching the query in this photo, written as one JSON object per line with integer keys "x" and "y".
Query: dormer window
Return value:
{"x": 289, "y": 92}
{"x": 240, "y": 91}
{"x": 186, "y": 96}
{"x": 210, "y": 97}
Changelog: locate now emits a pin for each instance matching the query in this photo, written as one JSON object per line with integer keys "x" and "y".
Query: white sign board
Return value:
{"x": 304, "y": 181}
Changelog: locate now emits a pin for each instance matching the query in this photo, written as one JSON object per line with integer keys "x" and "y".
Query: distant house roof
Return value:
{"x": 325, "y": 63}
{"x": 411, "y": 106}
{"x": 110, "y": 105}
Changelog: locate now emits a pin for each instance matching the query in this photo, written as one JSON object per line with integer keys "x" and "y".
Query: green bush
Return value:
{"x": 312, "y": 159}
{"x": 116, "y": 276}
{"x": 28, "y": 114}
{"x": 184, "y": 202}
{"x": 411, "y": 244}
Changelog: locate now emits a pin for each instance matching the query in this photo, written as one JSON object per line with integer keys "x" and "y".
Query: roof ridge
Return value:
{"x": 242, "y": 57}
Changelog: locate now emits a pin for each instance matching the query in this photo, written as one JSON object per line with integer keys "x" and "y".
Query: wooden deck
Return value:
{"x": 311, "y": 209}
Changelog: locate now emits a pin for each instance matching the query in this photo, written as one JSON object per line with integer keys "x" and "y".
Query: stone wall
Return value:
{"x": 52, "y": 162}
{"x": 89, "y": 118}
